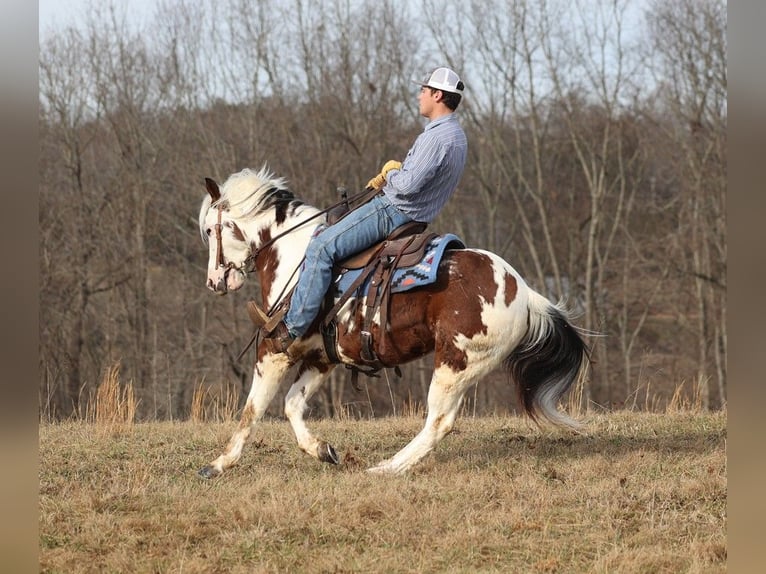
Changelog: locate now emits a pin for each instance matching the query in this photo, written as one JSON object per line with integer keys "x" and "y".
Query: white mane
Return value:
{"x": 248, "y": 191}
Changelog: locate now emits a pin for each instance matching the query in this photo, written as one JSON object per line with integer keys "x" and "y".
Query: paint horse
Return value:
{"x": 479, "y": 314}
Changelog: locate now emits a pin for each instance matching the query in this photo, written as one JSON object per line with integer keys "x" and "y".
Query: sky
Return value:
{"x": 58, "y": 14}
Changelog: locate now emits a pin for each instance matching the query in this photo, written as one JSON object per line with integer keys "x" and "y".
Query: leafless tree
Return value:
{"x": 690, "y": 38}
{"x": 602, "y": 185}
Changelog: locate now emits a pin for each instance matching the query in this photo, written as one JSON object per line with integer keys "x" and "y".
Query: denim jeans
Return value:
{"x": 366, "y": 225}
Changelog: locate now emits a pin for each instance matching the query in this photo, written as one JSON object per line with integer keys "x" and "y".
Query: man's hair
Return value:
{"x": 450, "y": 99}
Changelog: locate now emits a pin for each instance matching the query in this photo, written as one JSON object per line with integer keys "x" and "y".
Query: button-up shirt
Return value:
{"x": 431, "y": 171}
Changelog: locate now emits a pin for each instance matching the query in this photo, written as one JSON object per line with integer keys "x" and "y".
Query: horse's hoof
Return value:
{"x": 327, "y": 453}
{"x": 209, "y": 472}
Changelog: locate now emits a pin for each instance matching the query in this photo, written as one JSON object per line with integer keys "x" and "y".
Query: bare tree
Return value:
{"x": 73, "y": 219}
{"x": 598, "y": 190}
{"x": 690, "y": 38}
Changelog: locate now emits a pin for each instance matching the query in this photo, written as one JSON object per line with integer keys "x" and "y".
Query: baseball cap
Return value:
{"x": 442, "y": 79}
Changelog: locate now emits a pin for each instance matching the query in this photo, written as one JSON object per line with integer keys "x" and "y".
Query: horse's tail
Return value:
{"x": 550, "y": 358}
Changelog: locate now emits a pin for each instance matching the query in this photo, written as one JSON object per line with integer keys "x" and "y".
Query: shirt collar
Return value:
{"x": 440, "y": 120}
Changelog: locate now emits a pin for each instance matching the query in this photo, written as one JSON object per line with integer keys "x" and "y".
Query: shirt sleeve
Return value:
{"x": 418, "y": 168}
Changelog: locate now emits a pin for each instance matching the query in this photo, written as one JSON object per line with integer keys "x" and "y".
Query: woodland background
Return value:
{"x": 597, "y": 168}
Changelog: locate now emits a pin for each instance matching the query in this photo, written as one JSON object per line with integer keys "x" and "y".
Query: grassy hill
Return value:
{"x": 637, "y": 493}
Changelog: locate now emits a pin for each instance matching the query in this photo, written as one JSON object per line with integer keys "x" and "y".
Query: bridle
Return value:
{"x": 248, "y": 265}
{"x": 220, "y": 262}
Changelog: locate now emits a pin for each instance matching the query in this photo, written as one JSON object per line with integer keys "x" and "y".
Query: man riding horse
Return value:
{"x": 411, "y": 191}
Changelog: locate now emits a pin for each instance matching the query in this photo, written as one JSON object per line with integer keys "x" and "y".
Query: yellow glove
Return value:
{"x": 389, "y": 165}
{"x": 379, "y": 180}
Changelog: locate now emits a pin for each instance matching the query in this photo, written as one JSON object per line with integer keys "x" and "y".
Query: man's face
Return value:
{"x": 427, "y": 100}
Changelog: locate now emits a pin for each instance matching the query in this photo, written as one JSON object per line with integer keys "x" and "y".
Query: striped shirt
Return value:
{"x": 430, "y": 172}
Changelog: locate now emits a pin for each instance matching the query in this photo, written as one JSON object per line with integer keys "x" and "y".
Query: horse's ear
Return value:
{"x": 212, "y": 189}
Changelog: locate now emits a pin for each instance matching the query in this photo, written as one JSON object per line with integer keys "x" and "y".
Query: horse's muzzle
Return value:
{"x": 224, "y": 279}
{"x": 219, "y": 287}
{"x": 217, "y": 280}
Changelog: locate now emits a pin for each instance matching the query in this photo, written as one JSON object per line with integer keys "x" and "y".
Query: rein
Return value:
{"x": 250, "y": 260}
{"x": 249, "y": 264}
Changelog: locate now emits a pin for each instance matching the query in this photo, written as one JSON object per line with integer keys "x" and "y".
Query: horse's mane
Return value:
{"x": 251, "y": 192}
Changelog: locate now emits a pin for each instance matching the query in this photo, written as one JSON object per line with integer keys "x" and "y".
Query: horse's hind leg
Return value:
{"x": 295, "y": 406}
{"x": 444, "y": 395}
{"x": 268, "y": 375}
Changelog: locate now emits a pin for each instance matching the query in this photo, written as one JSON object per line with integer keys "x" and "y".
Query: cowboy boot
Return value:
{"x": 278, "y": 340}
{"x": 257, "y": 315}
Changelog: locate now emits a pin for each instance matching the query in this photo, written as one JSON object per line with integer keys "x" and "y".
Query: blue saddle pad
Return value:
{"x": 406, "y": 278}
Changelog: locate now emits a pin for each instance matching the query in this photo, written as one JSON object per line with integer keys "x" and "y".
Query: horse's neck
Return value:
{"x": 289, "y": 250}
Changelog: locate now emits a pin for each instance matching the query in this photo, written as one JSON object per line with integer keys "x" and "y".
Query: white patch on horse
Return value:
{"x": 503, "y": 333}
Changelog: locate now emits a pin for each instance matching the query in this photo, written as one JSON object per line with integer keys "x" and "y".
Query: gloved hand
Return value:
{"x": 379, "y": 180}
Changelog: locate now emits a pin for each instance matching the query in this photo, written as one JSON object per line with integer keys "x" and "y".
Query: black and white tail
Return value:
{"x": 547, "y": 362}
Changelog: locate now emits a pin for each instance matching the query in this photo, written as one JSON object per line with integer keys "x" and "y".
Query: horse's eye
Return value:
{"x": 208, "y": 231}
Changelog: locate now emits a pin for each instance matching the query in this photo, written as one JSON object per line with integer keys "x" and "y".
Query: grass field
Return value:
{"x": 637, "y": 493}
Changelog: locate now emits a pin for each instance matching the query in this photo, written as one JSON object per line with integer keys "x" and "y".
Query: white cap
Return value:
{"x": 442, "y": 79}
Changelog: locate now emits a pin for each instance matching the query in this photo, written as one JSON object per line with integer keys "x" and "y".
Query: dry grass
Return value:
{"x": 213, "y": 405}
{"x": 637, "y": 493}
{"x": 114, "y": 405}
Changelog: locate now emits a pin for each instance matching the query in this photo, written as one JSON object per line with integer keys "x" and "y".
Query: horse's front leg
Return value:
{"x": 270, "y": 371}
{"x": 296, "y": 403}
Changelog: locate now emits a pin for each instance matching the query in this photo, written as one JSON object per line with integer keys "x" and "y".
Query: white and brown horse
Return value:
{"x": 477, "y": 316}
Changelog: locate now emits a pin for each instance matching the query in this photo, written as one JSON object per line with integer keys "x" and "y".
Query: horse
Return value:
{"x": 478, "y": 315}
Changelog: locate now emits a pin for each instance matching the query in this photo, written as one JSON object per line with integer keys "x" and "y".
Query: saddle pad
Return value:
{"x": 406, "y": 278}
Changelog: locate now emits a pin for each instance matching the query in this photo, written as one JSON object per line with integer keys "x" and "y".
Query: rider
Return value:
{"x": 415, "y": 190}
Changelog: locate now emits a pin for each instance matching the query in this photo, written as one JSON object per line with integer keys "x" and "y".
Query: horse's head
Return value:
{"x": 241, "y": 220}
{"x": 228, "y": 246}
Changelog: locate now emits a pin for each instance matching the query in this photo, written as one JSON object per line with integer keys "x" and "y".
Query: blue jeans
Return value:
{"x": 366, "y": 225}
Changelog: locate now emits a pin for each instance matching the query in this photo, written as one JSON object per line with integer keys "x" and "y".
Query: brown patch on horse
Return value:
{"x": 409, "y": 337}
{"x": 236, "y": 231}
{"x": 471, "y": 284}
{"x": 511, "y": 288}
{"x": 267, "y": 262}
{"x": 248, "y": 416}
{"x": 313, "y": 359}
